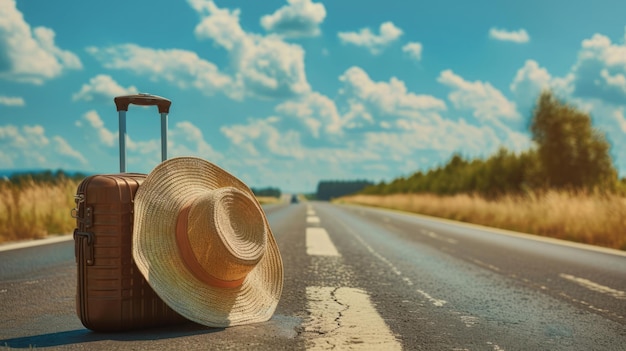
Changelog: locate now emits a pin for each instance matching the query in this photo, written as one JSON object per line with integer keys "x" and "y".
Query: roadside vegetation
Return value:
{"x": 596, "y": 219}
{"x": 564, "y": 187}
{"x": 32, "y": 207}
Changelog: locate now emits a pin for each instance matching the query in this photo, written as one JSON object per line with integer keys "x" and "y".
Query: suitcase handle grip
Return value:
{"x": 163, "y": 104}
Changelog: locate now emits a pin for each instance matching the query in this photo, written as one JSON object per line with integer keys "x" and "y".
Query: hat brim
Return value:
{"x": 158, "y": 201}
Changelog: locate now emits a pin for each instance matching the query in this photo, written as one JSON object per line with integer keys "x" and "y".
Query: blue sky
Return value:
{"x": 288, "y": 93}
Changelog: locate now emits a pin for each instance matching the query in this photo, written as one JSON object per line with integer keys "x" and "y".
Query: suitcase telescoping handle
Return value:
{"x": 122, "y": 103}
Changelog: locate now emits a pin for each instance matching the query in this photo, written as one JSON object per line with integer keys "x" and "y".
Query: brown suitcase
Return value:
{"x": 112, "y": 294}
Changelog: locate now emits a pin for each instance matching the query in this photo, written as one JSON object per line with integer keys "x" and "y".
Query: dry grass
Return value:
{"x": 586, "y": 218}
{"x": 35, "y": 210}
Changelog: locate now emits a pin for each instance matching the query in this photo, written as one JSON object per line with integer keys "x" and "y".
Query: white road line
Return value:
{"x": 438, "y": 237}
{"x": 495, "y": 346}
{"x": 31, "y": 243}
{"x": 394, "y": 269}
{"x": 434, "y": 301}
{"x": 313, "y": 220}
{"x": 310, "y": 213}
{"x": 345, "y": 319}
{"x": 318, "y": 243}
{"x": 486, "y": 265}
{"x": 469, "y": 321}
{"x": 618, "y": 294}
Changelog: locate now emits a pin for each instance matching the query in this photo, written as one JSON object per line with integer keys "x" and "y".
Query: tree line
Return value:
{"x": 269, "y": 192}
{"x": 329, "y": 189}
{"x": 568, "y": 154}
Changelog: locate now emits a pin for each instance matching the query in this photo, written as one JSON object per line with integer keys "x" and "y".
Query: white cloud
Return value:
{"x": 180, "y": 67}
{"x": 63, "y": 148}
{"x": 487, "y": 103}
{"x": 375, "y": 43}
{"x": 441, "y": 135}
{"x": 599, "y": 47}
{"x": 620, "y": 119}
{"x": 300, "y": 18}
{"x": 29, "y": 55}
{"x": 414, "y": 50}
{"x": 382, "y": 130}
{"x": 265, "y": 66}
{"x": 600, "y": 71}
{"x": 386, "y": 99}
{"x": 616, "y": 82}
{"x": 29, "y": 146}
{"x": 102, "y": 87}
{"x": 531, "y": 80}
{"x": 316, "y": 111}
{"x": 385, "y": 129}
{"x": 517, "y": 36}
{"x": 104, "y": 135}
{"x": 11, "y": 101}
{"x": 188, "y": 140}
{"x": 261, "y": 137}
{"x": 185, "y": 139}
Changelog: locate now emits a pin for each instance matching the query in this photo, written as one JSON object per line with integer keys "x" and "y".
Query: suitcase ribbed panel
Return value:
{"x": 112, "y": 294}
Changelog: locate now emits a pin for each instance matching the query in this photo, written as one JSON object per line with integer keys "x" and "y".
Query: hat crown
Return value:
{"x": 226, "y": 233}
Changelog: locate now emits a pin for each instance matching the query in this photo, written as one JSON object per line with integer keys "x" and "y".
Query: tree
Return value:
{"x": 329, "y": 189}
{"x": 572, "y": 153}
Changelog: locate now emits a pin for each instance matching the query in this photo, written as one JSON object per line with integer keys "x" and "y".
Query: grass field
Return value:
{"x": 35, "y": 210}
{"x": 587, "y": 218}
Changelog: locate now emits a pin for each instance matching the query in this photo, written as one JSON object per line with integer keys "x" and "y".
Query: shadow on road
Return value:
{"x": 84, "y": 336}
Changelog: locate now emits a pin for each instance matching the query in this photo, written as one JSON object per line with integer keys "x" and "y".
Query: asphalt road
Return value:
{"x": 360, "y": 278}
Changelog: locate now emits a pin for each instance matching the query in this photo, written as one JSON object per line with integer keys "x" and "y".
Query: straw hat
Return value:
{"x": 201, "y": 240}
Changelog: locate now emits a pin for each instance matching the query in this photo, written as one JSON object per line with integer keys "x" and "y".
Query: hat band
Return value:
{"x": 189, "y": 258}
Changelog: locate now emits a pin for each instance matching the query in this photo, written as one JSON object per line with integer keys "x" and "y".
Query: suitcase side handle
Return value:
{"x": 122, "y": 102}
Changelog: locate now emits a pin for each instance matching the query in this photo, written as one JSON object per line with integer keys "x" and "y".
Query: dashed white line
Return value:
{"x": 495, "y": 346}
{"x": 394, "y": 269}
{"x": 439, "y": 237}
{"x": 313, "y": 220}
{"x": 381, "y": 257}
{"x": 469, "y": 321}
{"x": 434, "y": 301}
{"x": 345, "y": 319}
{"x": 318, "y": 243}
{"x": 486, "y": 265}
{"x": 586, "y": 283}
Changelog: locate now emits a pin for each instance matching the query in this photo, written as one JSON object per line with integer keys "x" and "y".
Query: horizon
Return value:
{"x": 287, "y": 94}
